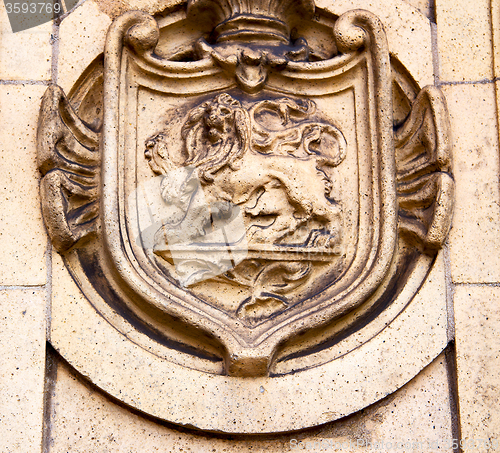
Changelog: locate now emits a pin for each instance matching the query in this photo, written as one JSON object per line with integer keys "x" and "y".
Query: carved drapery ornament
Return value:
{"x": 250, "y": 193}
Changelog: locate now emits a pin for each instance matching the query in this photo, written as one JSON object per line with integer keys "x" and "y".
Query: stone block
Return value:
{"x": 464, "y": 40}
{"x": 22, "y": 355}
{"x": 477, "y": 321}
{"x": 81, "y": 40}
{"x": 23, "y": 241}
{"x": 474, "y": 239}
{"x": 25, "y": 55}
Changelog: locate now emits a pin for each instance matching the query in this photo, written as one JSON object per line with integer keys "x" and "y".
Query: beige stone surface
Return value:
{"x": 115, "y": 8}
{"x": 408, "y": 33}
{"x": 464, "y": 40}
{"x": 474, "y": 238}
{"x": 495, "y": 25}
{"x": 22, "y": 367}
{"x": 390, "y": 359}
{"x": 495, "y": 21}
{"x": 23, "y": 241}
{"x": 82, "y": 419}
{"x": 81, "y": 40}
{"x": 477, "y": 321}
{"x": 424, "y": 6}
{"x": 25, "y": 55}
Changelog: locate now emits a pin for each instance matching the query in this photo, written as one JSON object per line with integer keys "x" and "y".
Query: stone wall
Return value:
{"x": 46, "y": 406}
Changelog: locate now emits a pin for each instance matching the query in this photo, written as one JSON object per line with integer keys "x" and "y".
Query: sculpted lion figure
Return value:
{"x": 216, "y": 134}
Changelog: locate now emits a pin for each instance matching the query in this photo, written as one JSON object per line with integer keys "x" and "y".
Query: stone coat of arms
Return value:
{"x": 245, "y": 183}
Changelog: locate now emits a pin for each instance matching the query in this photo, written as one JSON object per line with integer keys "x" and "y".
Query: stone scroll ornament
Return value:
{"x": 245, "y": 185}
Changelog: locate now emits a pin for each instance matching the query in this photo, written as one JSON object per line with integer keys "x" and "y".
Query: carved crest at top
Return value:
{"x": 240, "y": 20}
{"x": 264, "y": 26}
{"x": 254, "y": 189}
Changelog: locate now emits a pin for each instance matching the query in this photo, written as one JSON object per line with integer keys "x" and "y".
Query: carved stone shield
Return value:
{"x": 244, "y": 184}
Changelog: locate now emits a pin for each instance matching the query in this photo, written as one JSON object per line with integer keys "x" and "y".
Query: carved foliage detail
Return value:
{"x": 251, "y": 67}
{"x": 69, "y": 159}
{"x": 424, "y": 184}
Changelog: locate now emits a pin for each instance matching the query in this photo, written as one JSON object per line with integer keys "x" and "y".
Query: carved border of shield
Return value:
{"x": 352, "y": 31}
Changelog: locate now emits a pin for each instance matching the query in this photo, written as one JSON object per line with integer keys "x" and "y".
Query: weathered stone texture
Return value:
{"x": 81, "y": 40}
{"x": 22, "y": 358}
{"x": 460, "y": 52}
{"x": 83, "y": 420}
{"x": 23, "y": 241}
{"x": 474, "y": 239}
{"x": 464, "y": 40}
{"x": 477, "y": 318}
{"x": 24, "y": 55}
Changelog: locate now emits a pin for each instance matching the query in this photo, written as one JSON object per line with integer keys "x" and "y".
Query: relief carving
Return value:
{"x": 251, "y": 192}
{"x": 274, "y": 178}
{"x": 68, "y": 159}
